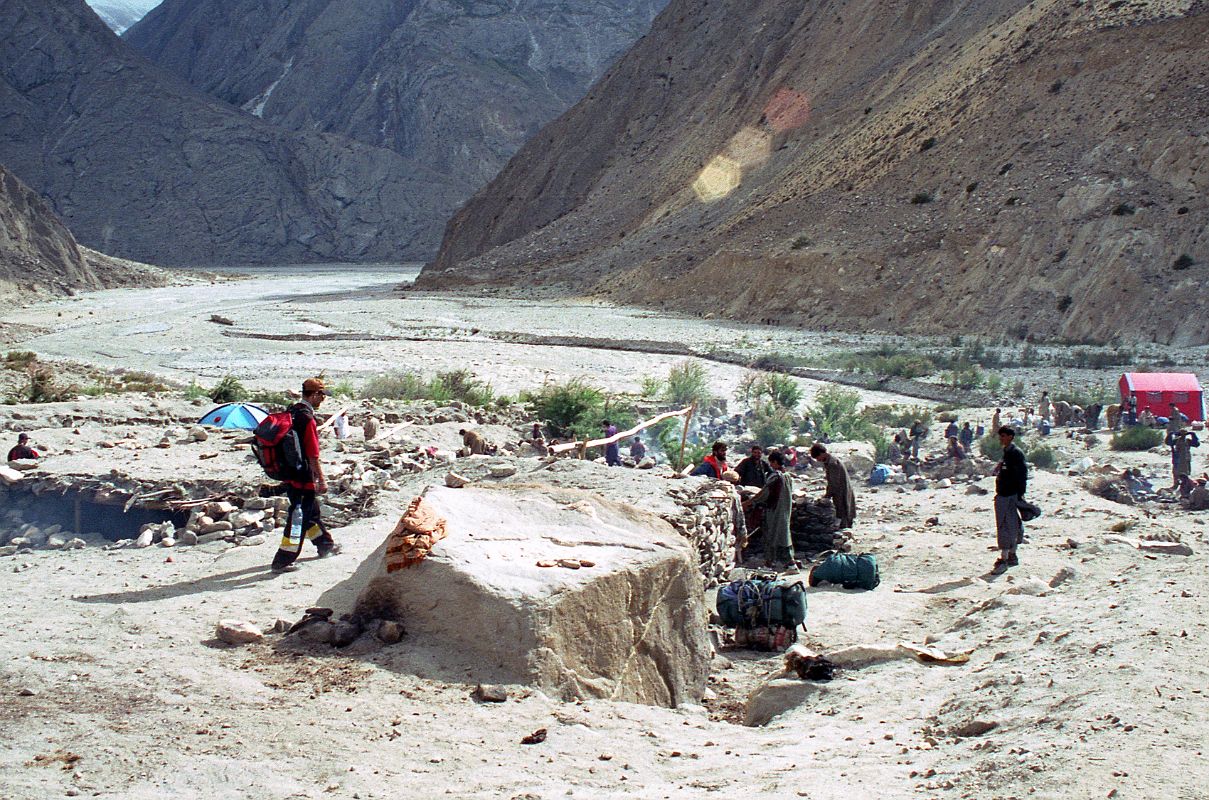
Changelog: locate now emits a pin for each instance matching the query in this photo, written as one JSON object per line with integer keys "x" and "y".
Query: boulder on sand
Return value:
{"x": 627, "y": 623}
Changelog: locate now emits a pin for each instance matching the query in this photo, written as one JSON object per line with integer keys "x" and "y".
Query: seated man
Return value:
{"x": 713, "y": 465}
{"x": 956, "y": 451}
{"x": 22, "y": 450}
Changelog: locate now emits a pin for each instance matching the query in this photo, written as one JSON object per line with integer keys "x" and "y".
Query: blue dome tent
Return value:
{"x": 242, "y": 416}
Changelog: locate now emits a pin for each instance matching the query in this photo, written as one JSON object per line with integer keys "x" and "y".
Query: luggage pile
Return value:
{"x": 765, "y": 613}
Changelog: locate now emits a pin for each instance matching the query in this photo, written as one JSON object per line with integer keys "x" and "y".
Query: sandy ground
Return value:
{"x": 114, "y": 687}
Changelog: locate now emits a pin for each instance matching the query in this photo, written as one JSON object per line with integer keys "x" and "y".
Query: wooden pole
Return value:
{"x": 684, "y": 436}
{"x": 562, "y": 448}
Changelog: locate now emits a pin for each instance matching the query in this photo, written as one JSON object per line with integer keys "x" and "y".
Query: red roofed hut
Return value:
{"x": 1158, "y": 390}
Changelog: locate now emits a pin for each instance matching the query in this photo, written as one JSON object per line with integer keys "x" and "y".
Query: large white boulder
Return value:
{"x": 631, "y": 627}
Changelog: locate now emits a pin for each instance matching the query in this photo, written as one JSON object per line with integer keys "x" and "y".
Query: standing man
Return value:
{"x": 918, "y": 432}
{"x": 1011, "y": 480}
{"x": 612, "y": 450}
{"x": 22, "y": 450}
{"x": 753, "y": 470}
{"x": 967, "y": 437}
{"x": 952, "y": 431}
{"x": 1044, "y": 408}
{"x": 1181, "y": 443}
{"x": 839, "y": 486}
{"x": 776, "y": 498}
{"x": 304, "y": 490}
{"x": 1176, "y": 422}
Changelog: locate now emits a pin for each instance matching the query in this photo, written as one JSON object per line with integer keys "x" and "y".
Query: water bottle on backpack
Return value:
{"x": 295, "y": 529}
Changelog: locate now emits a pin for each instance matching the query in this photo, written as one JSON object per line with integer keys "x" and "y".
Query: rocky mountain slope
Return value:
{"x": 456, "y": 88}
{"x": 140, "y": 165}
{"x": 121, "y": 14}
{"x": 1010, "y": 168}
{"x": 36, "y": 249}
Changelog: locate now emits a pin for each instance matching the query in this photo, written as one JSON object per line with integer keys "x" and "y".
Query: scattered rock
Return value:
{"x": 253, "y": 541}
{"x": 974, "y": 488}
{"x": 281, "y": 626}
{"x": 216, "y": 527}
{"x": 455, "y": 481}
{"x": 345, "y": 632}
{"x": 537, "y": 737}
{"x": 490, "y": 694}
{"x": 389, "y": 632}
{"x": 220, "y": 320}
{"x": 146, "y": 538}
{"x": 502, "y": 470}
{"x": 246, "y": 519}
{"x": 1166, "y": 548}
{"x": 977, "y": 727}
{"x": 186, "y": 537}
{"x": 198, "y": 434}
{"x": 237, "y": 632}
{"x": 646, "y": 463}
{"x": 28, "y": 692}
{"x": 1061, "y": 577}
{"x": 317, "y": 632}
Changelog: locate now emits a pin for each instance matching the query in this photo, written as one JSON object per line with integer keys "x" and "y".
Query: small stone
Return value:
{"x": 216, "y": 527}
{"x": 502, "y": 470}
{"x": 282, "y": 625}
{"x": 164, "y": 443}
{"x": 237, "y": 632}
{"x": 55, "y": 542}
{"x": 455, "y": 481}
{"x": 490, "y": 693}
{"x": 1166, "y": 548}
{"x": 186, "y": 537}
{"x": 977, "y": 727}
{"x": 198, "y": 434}
{"x": 319, "y": 632}
{"x": 246, "y": 519}
{"x": 168, "y": 541}
{"x": 256, "y": 504}
{"x": 146, "y": 538}
{"x": 253, "y": 541}
{"x": 345, "y": 633}
{"x": 389, "y": 632}
{"x": 28, "y": 692}
{"x": 75, "y": 544}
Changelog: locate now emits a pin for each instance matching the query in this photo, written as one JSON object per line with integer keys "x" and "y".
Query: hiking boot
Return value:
{"x": 1000, "y": 567}
{"x": 333, "y": 549}
{"x": 1013, "y": 561}
{"x": 280, "y": 568}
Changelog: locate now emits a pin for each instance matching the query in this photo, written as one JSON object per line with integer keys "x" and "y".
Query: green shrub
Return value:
{"x": 1101, "y": 393}
{"x": 770, "y": 388}
{"x": 881, "y": 444}
{"x": 195, "y": 391}
{"x": 651, "y": 387}
{"x": 835, "y": 413}
{"x": 990, "y": 447}
{"x": 886, "y": 361}
{"x": 576, "y": 408}
{"x": 964, "y": 378}
{"x": 1018, "y": 388}
{"x": 461, "y": 385}
{"x": 229, "y": 390}
{"x": 343, "y": 389}
{"x": 892, "y": 416}
{"x": 395, "y": 386}
{"x": 994, "y": 383}
{"x": 1042, "y": 456}
{"x": 771, "y": 424}
{"x": 272, "y": 400}
{"x": 687, "y": 383}
{"x": 1136, "y": 438}
{"x": 667, "y": 435}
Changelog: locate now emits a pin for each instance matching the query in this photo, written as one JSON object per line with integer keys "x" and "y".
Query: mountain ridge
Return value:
{"x": 1013, "y": 169}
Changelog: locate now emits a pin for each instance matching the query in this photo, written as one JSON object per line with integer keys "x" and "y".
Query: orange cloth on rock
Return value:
{"x": 414, "y": 536}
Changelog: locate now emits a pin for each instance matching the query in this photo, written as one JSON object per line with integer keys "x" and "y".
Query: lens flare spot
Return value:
{"x": 721, "y": 176}
{"x": 787, "y": 109}
{"x": 749, "y": 147}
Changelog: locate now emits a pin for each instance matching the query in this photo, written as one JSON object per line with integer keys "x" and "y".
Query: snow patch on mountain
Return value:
{"x": 121, "y": 14}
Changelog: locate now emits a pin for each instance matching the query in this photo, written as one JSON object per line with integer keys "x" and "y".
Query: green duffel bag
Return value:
{"x": 762, "y": 603}
{"x": 847, "y": 570}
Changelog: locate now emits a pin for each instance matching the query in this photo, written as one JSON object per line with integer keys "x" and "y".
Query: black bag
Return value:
{"x": 1028, "y": 511}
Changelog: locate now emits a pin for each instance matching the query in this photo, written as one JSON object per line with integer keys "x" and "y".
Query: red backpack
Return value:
{"x": 278, "y": 446}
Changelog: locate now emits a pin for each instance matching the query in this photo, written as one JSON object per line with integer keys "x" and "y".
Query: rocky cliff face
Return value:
{"x": 454, "y": 87}
{"x": 140, "y": 165}
{"x": 1010, "y": 168}
{"x": 36, "y": 249}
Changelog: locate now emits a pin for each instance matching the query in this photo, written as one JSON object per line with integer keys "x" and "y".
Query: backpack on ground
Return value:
{"x": 1028, "y": 511}
{"x": 847, "y": 570}
{"x": 277, "y": 445}
{"x": 879, "y": 475}
{"x": 762, "y": 603}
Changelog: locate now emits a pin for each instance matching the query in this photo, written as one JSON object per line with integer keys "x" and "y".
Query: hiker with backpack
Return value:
{"x": 287, "y": 446}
